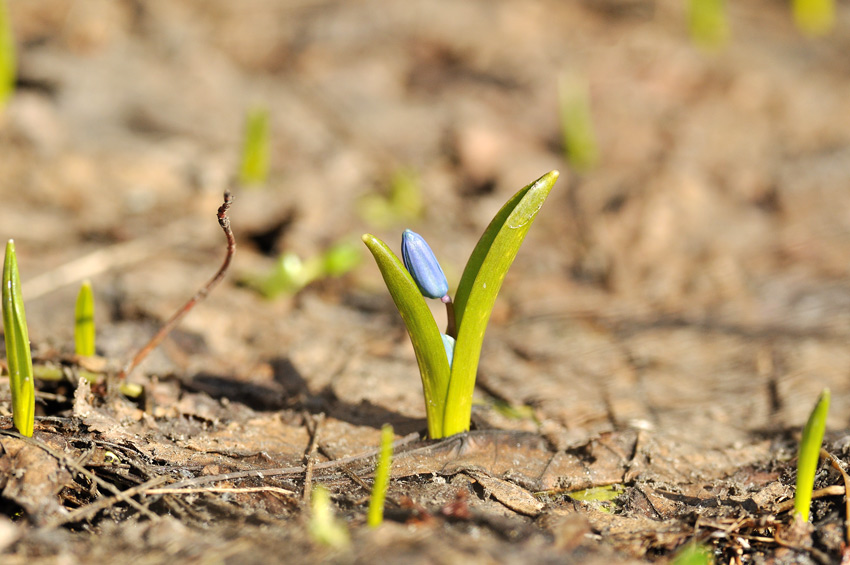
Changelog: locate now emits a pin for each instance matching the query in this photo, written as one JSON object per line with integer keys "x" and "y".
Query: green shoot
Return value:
{"x": 324, "y": 527}
{"x": 18, "y": 355}
{"x": 84, "y": 321}
{"x": 708, "y": 24}
{"x": 580, "y": 149}
{"x": 255, "y": 148}
{"x": 7, "y": 55}
{"x": 382, "y": 478}
{"x": 809, "y": 455}
{"x": 605, "y": 493}
{"x": 448, "y": 388}
{"x": 693, "y": 554}
{"x": 402, "y": 204}
{"x": 290, "y": 274}
{"x": 814, "y": 17}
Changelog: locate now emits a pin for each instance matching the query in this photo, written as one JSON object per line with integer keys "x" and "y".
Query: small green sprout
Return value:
{"x": 84, "y": 321}
{"x": 7, "y": 55}
{"x": 708, "y": 23}
{"x": 814, "y": 17}
{"x": 255, "y": 148}
{"x": 290, "y": 274}
{"x": 448, "y": 386}
{"x": 694, "y": 554}
{"x": 402, "y": 204}
{"x": 18, "y": 355}
{"x": 324, "y": 527}
{"x": 580, "y": 148}
{"x": 382, "y": 478}
{"x": 809, "y": 455}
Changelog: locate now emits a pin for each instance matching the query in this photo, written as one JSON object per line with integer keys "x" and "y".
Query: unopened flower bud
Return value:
{"x": 423, "y": 266}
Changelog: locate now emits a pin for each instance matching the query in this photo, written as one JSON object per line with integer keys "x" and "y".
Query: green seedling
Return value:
{"x": 403, "y": 203}
{"x": 382, "y": 478}
{"x": 693, "y": 554}
{"x": 448, "y": 383}
{"x": 254, "y": 170}
{"x": 605, "y": 493}
{"x": 809, "y": 455}
{"x": 7, "y": 56}
{"x": 708, "y": 24}
{"x": 290, "y": 274}
{"x": 814, "y": 17}
{"x": 324, "y": 527}
{"x": 580, "y": 148}
{"x": 18, "y": 355}
{"x": 84, "y": 321}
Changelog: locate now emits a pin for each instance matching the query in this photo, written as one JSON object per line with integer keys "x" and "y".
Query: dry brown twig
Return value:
{"x": 202, "y": 293}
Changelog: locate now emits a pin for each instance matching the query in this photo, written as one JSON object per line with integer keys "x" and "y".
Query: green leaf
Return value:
{"x": 18, "y": 356}
{"x": 814, "y": 17}
{"x": 424, "y": 334}
{"x": 255, "y": 148}
{"x": 84, "y": 321}
{"x": 7, "y": 55}
{"x": 809, "y": 455}
{"x": 382, "y": 478}
{"x": 708, "y": 23}
{"x": 482, "y": 278}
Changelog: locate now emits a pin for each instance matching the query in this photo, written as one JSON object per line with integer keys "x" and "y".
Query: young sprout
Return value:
{"x": 814, "y": 17}
{"x": 18, "y": 355}
{"x": 7, "y": 56}
{"x": 324, "y": 527}
{"x": 448, "y": 368}
{"x": 84, "y": 321}
{"x": 580, "y": 148}
{"x": 809, "y": 455}
{"x": 402, "y": 204}
{"x": 708, "y": 23}
{"x": 382, "y": 478}
{"x": 255, "y": 148}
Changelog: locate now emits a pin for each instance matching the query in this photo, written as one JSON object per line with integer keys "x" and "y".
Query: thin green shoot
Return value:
{"x": 84, "y": 335}
{"x": 324, "y": 527}
{"x": 7, "y": 56}
{"x": 814, "y": 17}
{"x": 709, "y": 26}
{"x": 809, "y": 455}
{"x": 580, "y": 148}
{"x": 382, "y": 478}
{"x": 403, "y": 203}
{"x": 18, "y": 355}
{"x": 694, "y": 554}
{"x": 448, "y": 389}
{"x": 254, "y": 170}
{"x": 605, "y": 493}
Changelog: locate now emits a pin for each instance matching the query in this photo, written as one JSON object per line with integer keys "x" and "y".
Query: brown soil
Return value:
{"x": 666, "y": 328}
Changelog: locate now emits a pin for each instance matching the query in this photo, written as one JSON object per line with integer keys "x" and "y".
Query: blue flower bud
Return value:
{"x": 423, "y": 266}
{"x": 449, "y": 344}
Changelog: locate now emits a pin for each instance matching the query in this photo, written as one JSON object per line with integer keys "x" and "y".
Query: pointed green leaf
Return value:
{"x": 18, "y": 356}
{"x": 84, "y": 321}
{"x": 255, "y": 148}
{"x": 809, "y": 455}
{"x": 424, "y": 334}
{"x": 382, "y": 478}
{"x": 7, "y": 55}
{"x": 482, "y": 278}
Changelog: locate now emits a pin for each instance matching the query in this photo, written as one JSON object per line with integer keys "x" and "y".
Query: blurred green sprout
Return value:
{"x": 809, "y": 455}
{"x": 84, "y": 322}
{"x": 708, "y": 24}
{"x": 7, "y": 56}
{"x": 402, "y": 204}
{"x": 18, "y": 354}
{"x": 448, "y": 383}
{"x": 814, "y": 17}
{"x": 290, "y": 273}
{"x": 324, "y": 527}
{"x": 382, "y": 478}
{"x": 580, "y": 148}
{"x": 254, "y": 170}
{"x": 694, "y": 554}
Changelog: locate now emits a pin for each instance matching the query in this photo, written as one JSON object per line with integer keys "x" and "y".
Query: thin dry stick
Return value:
{"x": 236, "y": 490}
{"x": 837, "y": 465}
{"x": 308, "y": 456}
{"x": 224, "y": 222}
{"x": 86, "y": 512}
{"x": 832, "y": 490}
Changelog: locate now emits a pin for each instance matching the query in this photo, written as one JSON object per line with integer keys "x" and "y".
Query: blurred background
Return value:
{"x": 688, "y": 272}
